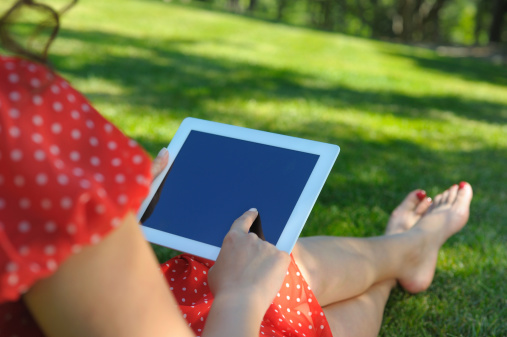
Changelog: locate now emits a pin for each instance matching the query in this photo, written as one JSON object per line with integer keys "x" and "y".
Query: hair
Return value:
{"x": 8, "y": 41}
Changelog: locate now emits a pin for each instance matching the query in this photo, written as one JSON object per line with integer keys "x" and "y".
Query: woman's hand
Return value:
{"x": 247, "y": 266}
{"x": 159, "y": 163}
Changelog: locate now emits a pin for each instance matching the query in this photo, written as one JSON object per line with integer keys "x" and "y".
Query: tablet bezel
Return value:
{"x": 327, "y": 156}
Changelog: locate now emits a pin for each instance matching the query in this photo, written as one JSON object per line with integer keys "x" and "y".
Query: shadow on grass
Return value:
{"x": 182, "y": 85}
{"x": 183, "y": 82}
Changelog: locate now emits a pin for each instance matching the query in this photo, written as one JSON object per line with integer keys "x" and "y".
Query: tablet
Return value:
{"x": 216, "y": 172}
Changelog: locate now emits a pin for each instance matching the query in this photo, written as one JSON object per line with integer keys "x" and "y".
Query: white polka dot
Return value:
{"x": 71, "y": 229}
{"x": 75, "y": 114}
{"x": 51, "y": 264}
{"x": 24, "y": 203}
{"x": 100, "y": 209}
{"x": 299, "y": 313}
{"x": 14, "y": 131}
{"x": 94, "y": 141}
{"x": 287, "y": 285}
{"x": 309, "y": 300}
{"x": 108, "y": 128}
{"x": 35, "y": 82}
{"x": 122, "y": 199}
{"x": 71, "y": 98}
{"x": 298, "y": 286}
{"x": 14, "y": 78}
{"x": 37, "y": 100}
{"x": 120, "y": 178}
{"x": 62, "y": 179}
{"x": 101, "y": 193}
{"x": 11, "y": 267}
{"x": 14, "y": 96}
{"x": 99, "y": 177}
{"x": 2, "y": 203}
{"x": 24, "y": 226}
{"x": 78, "y": 172}
{"x": 310, "y": 327}
{"x": 16, "y": 155}
{"x": 54, "y": 149}
{"x": 85, "y": 184}
{"x": 56, "y": 128}
{"x": 95, "y": 161}
{"x": 2, "y": 179}
{"x": 10, "y": 66}
{"x": 57, "y": 106}
{"x": 59, "y": 164}
{"x": 322, "y": 327}
{"x": 116, "y": 162}
{"x": 85, "y": 107}
{"x": 90, "y": 124}
{"x": 37, "y": 138}
{"x": 55, "y": 89}
{"x": 183, "y": 300}
{"x": 132, "y": 143}
{"x": 112, "y": 145}
{"x": 75, "y": 156}
{"x": 19, "y": 181}
{"x": 115, "y": 222}
{"x": 137, "y": 159}
{"x": 37, "y": 120}
{"x": 32, "y": 68}
{"x": 64, "y": 85}
{"x": 46, "y": 204}
{"x": 50, "y": 227}
{"x": 298, "y": 274}
{"x": 298, "y": 299}
{"x": 75, "y": 134}
{"x": 34, "y": 267}
{"x": 95, "y": 239}
{"x": 24, "y": 250}
{"x": 14, "y": 113}
{"x": 66, "y": 203}
{"x": 49, "y": 250}
{"x": 13, "y": 279}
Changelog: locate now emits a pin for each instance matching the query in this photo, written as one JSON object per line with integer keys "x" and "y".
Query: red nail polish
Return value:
{"x": 462, "y": 184}
{"x": 421, "y": 195}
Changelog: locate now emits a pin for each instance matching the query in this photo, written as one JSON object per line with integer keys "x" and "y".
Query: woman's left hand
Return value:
{"x": 159, "y": 163}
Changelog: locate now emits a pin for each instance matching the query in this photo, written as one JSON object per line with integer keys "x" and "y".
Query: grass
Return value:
{"x": 404, "y": 118}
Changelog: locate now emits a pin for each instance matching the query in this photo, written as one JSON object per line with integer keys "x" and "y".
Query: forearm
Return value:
{"x": 233, "y": 315}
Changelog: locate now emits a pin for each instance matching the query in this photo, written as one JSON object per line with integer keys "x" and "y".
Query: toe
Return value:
{"x": 464, "y": 195}
{"x": 412, "y": 200}
{"x": 438, "y": 200}
{"x": 423, "y": 206}
{"x": 453, "y": 192}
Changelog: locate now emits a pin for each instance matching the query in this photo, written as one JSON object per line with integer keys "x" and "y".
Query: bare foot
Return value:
{"x": 408, "y": 212}
{"x": 446, "y": 216}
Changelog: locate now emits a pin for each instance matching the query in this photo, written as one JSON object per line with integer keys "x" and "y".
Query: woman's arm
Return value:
{"x": 116, "y": 289}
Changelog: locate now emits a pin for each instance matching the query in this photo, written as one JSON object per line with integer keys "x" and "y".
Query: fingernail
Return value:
{"x": 462, "y": 184}
{"x": 252, "y": 210}
{"x": 162, "y": 151}
{"x": 421, "y": 195}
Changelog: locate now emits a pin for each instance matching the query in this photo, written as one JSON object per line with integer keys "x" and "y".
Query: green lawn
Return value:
{"x": 404, "y": 118}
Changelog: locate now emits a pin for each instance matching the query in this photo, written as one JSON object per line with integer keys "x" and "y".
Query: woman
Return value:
{"x": 73, "y": 260}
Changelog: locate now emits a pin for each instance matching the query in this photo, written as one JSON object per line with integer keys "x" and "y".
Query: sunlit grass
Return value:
{"x": 404, "y": 117}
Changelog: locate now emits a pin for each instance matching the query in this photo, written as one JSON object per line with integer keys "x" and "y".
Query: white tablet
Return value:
{"x": 217, "y": 172}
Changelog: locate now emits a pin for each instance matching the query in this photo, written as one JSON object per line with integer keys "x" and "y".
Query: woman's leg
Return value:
{"x": 369, "y": 306}
{"x": 338, "y": 269}
{"x": 360, "y": 316}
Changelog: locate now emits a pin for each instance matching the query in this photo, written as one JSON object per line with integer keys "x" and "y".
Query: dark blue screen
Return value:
{"x": 214, "y": 179}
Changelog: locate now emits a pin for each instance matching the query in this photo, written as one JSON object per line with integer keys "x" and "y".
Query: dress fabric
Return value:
{"x": 67, "y": 178}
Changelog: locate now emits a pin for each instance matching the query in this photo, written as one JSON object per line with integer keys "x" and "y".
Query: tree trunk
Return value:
{"x": 280, "y": 9}
{"x": 252, "y": 5}
{"x": 499, "y": 11}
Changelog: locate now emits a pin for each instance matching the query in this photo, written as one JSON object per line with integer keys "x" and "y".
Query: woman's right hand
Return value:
{"x": 247, "y": 266}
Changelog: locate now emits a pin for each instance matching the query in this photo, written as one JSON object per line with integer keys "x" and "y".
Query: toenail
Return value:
{"x": 462, "y": 184}
{"x": 421, "y": 195}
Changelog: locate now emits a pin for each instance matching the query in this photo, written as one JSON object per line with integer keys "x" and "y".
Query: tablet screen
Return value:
{"x": 214, "y": 179}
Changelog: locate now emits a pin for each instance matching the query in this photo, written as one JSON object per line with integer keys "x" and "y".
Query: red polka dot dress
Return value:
{"x": 67, "y": 178}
